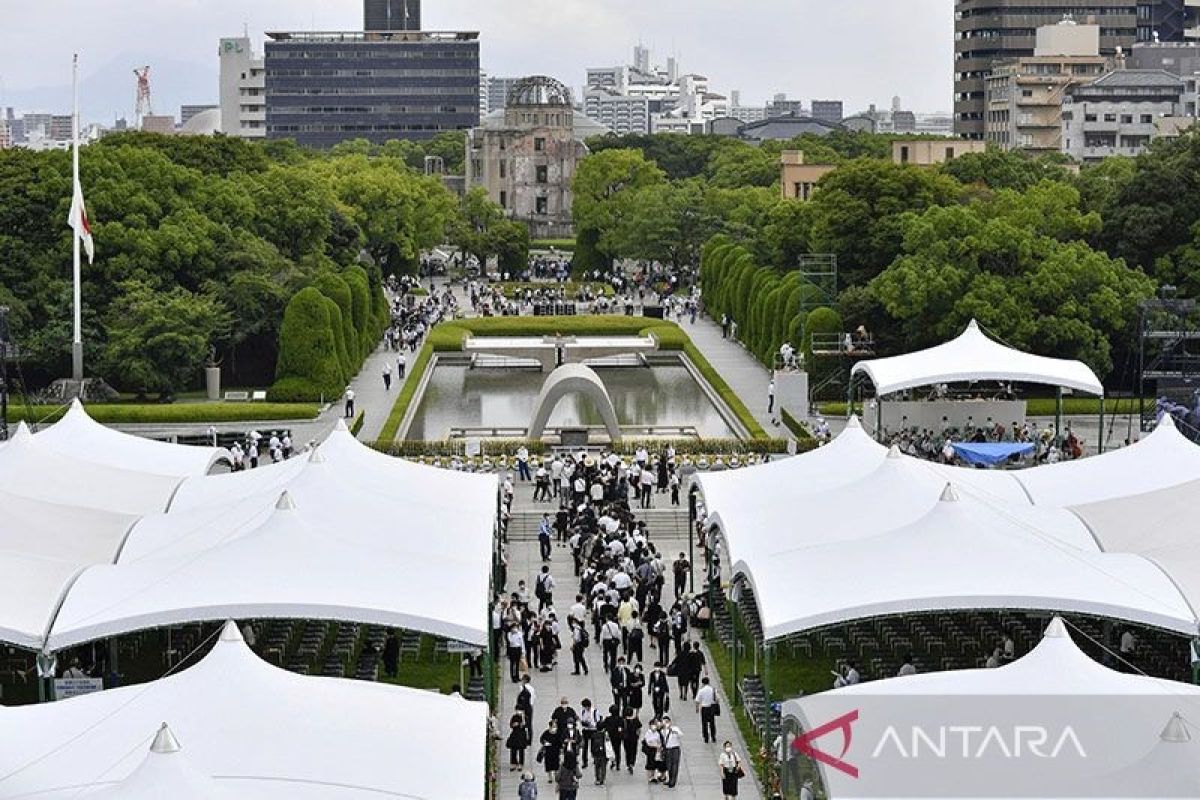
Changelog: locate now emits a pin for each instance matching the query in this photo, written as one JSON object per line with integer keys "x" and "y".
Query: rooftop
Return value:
{"x": 1138, "y": 77}
{"x": 382, "y": 37}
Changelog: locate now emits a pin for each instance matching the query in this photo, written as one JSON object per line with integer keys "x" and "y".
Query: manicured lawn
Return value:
{"x": 169, "y": 413}
{"x": 428, "y": 670}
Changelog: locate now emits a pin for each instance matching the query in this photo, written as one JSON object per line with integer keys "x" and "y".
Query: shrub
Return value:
{"x": 307, "y": 350}
{"x": 169, "y": 413}
{"x": 345, "y": 326}
{"x": 565, "y": 245}
{"x": 361, "y": 310}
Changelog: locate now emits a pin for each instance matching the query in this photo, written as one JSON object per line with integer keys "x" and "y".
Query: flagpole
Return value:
{"x": 77, "y": 341}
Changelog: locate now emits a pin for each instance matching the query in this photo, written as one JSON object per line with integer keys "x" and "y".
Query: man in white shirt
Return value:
{"x": 706, "y": 704}
{"x": 556, "y": 475}
{"x": 516, "y": 648}
{"x": 610, "y": 639}
{"x": 578, "y": 612}
{"x": 672, "y": 739}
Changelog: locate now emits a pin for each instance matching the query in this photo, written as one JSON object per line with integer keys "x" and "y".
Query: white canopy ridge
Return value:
{"x": 80, "y": 436}
{"x": 972, "y": 356}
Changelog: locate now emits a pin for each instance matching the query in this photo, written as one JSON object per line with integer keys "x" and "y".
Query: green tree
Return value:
{"x": 510, "y": 242}
{"x": 1002, "y": 169}
{"x": 663, "y": 222}
{"x": 158, "y": 341}
{"x": 308, "y": 367}
{"x": 857, "y": 213}
{"x": 471, "y": 228}
{"x": 737, "y": 167}
{"x": 601, "y": 178}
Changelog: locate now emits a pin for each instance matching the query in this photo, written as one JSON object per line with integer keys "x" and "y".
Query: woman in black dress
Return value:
{"x": 634, "y": 689}
{"x": 551, "y": 742}
{"x": 631, "y": 734}
{"x": 518, "y": 741}
{"x": 660, "y": 692}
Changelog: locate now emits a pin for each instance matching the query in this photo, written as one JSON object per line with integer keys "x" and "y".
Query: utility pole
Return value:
{"x": 4, "y": 373}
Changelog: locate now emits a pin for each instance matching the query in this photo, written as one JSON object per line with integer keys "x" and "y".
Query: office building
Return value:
{"x": 797, "y": 179}
{"x": 61, "y": 127}
{"x": 324, "y": 88}
{"x": 37, "y": 124}
{"x": 525, "y": 156}
{"x": 187, "y": 112}
{"x": 928, "y": 153}
{"x": 243, "y": 89}
{"x": 6, "y": 135}
{"x": 159, "y": 123}
{"x": 828, "y": 110}
{"x": 391, "y": 15}
{"x": 618, "y": 112}
{"x": 1178, "y": 58}
{"x": 1121, "y": 112}
{"x": 1025, "y": 96}
{"x": 987, "y": 32}
{"x": 781, "y": 106}
{"x": 498, "y": 89}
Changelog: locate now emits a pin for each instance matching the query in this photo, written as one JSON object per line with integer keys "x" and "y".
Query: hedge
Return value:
{"x": 449, "y": 336}
{"x": 170, "y": 413}
{"x": 345, "y": 325}
{"x": 567, "y": 245}
{"x": 804, "y": 438}
{"x": 510, "y": 288}
{"x": 308, "y": 365}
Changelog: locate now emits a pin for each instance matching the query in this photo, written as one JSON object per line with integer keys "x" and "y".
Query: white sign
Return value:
{"x": 474, "y": 447}
{"x": 460, "y": 647}
{"x": 74, "y": 687}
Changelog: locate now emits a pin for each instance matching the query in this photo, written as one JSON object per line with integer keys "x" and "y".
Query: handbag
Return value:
{"x": 741, "y": 773}
{"x": 716, "y": 708}
{"x": 541, "y": 754}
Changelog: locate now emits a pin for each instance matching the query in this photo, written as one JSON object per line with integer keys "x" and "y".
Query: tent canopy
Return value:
{"x": 288, "y": 567}
{"x": 80, "y": 436}
{"x": 257, "y": 731}
{"x": 975, "y": 357}
{"x": 1131, "y": 715}
{"x": 963, "y": 554}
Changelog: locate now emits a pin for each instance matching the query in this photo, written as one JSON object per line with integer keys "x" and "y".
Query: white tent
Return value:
{"x": 1160, "y": 526}
{"x": 288, "y": 567}
{"x": 80, "y": 436}
{"x": 257, "y": 731}
{"x": 1122, "y": 712}
{"x": 31, "y": 469}
{"x": 166, "y": 772}
{"x": 43, "y": 547}
{"x": 963, "y": 554}
{"x": 1164, "y": 458}
{"x": 974, "y": 357}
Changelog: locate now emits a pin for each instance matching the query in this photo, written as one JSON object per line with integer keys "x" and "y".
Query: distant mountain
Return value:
{"x": 111, "y": 90}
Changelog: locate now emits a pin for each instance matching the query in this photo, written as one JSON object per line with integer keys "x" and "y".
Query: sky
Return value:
{"x": 860, "y": 51}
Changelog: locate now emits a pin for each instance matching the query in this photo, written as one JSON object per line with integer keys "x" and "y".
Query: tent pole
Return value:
{"x": 1100, "y": 443}
{"x": 878, "y": 418}
{"x": 1058, "y": 405}
{"x": 692, "y": 538}
{"x": 768, "y": 739}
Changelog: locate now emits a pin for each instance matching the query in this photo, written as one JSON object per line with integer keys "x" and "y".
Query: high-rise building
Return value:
{"x": 61, "y": 127}
{"x": 618, "y": 112}
{"x": 391, "y": 15}
{"x": 243, "y": 89}
{"x": 38, "y": 124}
{"x": 6, "y": 137}
{"x": 498, "y": 89}
{"x": 828, "y": 110}
{"x": 990, "y": 31}
{"x": 325, "y": 87}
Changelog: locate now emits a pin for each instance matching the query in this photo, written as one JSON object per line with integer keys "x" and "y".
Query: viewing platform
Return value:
{"x": 553, "y": 351}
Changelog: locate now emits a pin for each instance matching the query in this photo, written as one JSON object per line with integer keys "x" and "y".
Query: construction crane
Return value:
{"x": 143, "y": 106}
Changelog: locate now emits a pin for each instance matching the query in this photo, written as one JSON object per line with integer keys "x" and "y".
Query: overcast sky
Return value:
{"x": 862, "y": 51}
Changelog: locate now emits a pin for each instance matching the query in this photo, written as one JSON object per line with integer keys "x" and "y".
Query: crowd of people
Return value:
{"x": 632, "y": 603}
{"x": 247, "y": 453}
{"x": 939, "y": 445}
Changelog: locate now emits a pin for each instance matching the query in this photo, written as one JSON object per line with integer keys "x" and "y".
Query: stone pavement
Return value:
{"x": 742, "y": 371}
{"x": 699, "y": 775}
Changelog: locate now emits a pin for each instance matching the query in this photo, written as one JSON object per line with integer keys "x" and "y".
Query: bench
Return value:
{"x": 237, "y": 396}
{"x": 259, "y": 396}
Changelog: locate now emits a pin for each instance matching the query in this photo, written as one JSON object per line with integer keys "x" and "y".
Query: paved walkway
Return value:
{"x": 699, "y": 776}
{"x": 742, "y": 371}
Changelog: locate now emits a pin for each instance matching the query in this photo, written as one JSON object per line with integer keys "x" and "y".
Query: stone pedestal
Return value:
{"x": 212, "y": 382}
{"x": 791, "y": 392}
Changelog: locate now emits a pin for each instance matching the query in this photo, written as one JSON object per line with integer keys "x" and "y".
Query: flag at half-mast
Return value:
{"x": 78, "y": 220}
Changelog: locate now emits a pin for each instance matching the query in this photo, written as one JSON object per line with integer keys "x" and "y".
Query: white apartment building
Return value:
{"x": 618, "y": 112}
{"x": 243, "y": 84}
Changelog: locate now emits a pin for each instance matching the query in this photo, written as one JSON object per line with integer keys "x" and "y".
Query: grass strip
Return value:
{"x": 170, "y": 413}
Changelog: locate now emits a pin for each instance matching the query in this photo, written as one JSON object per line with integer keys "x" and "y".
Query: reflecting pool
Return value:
{"x": 460, "y": 397}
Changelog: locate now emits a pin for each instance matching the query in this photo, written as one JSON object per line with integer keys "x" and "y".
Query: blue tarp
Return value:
{"x": 990, "y": 453}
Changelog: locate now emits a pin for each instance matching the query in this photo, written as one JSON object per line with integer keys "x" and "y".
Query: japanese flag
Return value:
{"x": 78, "y": 220}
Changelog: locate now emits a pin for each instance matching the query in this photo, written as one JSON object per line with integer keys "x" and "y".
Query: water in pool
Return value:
{"x": 503, "y": 398}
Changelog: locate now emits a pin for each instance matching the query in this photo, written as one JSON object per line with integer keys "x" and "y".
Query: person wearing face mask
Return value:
{"x": 631, "y": 734}
{"x": 731, "y": 771}
{"x": 551, "y": 742}
{"x": 652, "y": 750}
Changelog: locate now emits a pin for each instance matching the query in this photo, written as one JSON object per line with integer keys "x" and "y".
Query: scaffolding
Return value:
{"x": 1169, "y": 361}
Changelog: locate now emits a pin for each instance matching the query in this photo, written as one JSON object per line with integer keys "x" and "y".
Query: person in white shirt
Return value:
{"x": 672, "y": 739}
{"x": 907, "y": 668}
{"x": 993, "y": 660}
{"x": 556, "y": 475}
{"x": 516, "y": 649}
{"x": 706, "y": 705}
{"x": 349, "y": 402}
{"x": 1128, "y": 643}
